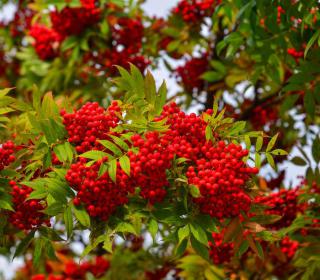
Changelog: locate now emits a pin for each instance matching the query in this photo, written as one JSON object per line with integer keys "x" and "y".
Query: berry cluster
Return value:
{"x": 193, "y": 11}
{"x": 150, "y": 164}
{"x": 26, "y": 213}
{"x": 89, "y": 123}
{"x": 189, "y": 75}
{"x": 296, "y": 54}
{"x": 21, "y": 21}
{"x": 72, "y": 21}
{"x": 220, "y": 252}
{"x": 283, "y": 203}
{"x": 7, "y": 154}
{"x": 100, "y": 195}
{"x": 47, "y": 41}
{"x": 72, "y": 270}
{"x": 127, "y": 35}
{"x": 289, "y": 247}
{"x": 217, "y": 170}
{"x": 264, "y": 116}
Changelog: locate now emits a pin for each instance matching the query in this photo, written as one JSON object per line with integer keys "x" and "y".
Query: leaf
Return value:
{"x": 37, "y": 253}
{"x": 212, "y": 76}
{"x": 183, "y": 233}
{"x": 125, "y": 164}
{"x": 257, "y": 160}
{"x": 247, "y": 142}
{"x": 232, "y": 230}
{"x": 311, "y": 42}
{"x": 150, "y": 88}
{"x": 120, "y": 142}
{"x": 279, "y": 152}
{"x": 112, "y": 147}
{"x": 68, "y": 221}
{"x": 112, "y": 170}
{"x": 95, "y": 155}
{"x": 199, "y": 234}
{"x": 50, "y": 233}
{"x": 199, "y": 248}
{"x": 270, "y": 160}
{"x": 54, "y": 209}
{"x": 272, "y": 142}
{"x": 259, "y": 143}
{"x": 208, "y": 133}
{"x": 5, "y": 205}
{"x": 24, "y": 244}
{"x": 298, "y": 161}
{"x": 126, "y": 228}
{"x": 194, "y": 191}
{"x": 81, "y": 215}
{"x": 243, "y": 248}
{"x": 309, "y": 103}
{"x": 153, "y": 228}
{"x": 260, "y": 250}
{"x": 316, "y": 149}
{"x": 181, "y": 248}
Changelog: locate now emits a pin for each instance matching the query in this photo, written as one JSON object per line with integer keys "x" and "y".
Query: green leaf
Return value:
{"x": 120, "y": 142}
{"x": 199, "y": 234}
{"x": 212, "y": 76}
{"x": 208, "y": 133}
{"x": 183, "y": 233}
{"x": 270, "y": 160}
{"x": 260, "y": 250}
{"x": 112, "y": 170}
{"x": 316, "y": 149}
{"x": 54, "y": 209}
{"x": 24, "y": 244}
{"x": 247, "y": 141}
{"x": 37, "y": 253}
{"x": 243, "y": 248}
{"x": 259, "y": 143}
{"x": 5, "y": 205}
{"x": 298, "y": 161}
{"x": 309, "y": 103}
{"x": 311, "y": 42}
{"x": 181, "y": 248}
{"x": 50, "y": 233}
{"x": 153, "y": 228}
{"x": 112, "y": 147}
{"x": 125, "y": 164}
{"x": 272, "y": 142}
{"x": 200, "y": 249}
{"x": 279, "y": 152}
{"x": 125, "y": 228}
{"x": 194, "y": 191}
{"x": 95, "y": 155}
{"x": 81, "y": 215}
{"x": 150, "y": 88}
{"x": 257, "y": 160}
{"x": 68, "y": 221}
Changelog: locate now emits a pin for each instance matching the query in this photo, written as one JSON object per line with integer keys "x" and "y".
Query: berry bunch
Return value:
{"x": 189, "y": 75}
{"x": 217, "y": 170}
{"x": 264, "y": 116}
{"x": 150, "y": 164}
{"x": 289, "y": 247}
{"x": 47, "y": 41}
{"x": 296, "y": 54}
{"x": 100, "y": 195}
{"x": 283, "y": 203}
{"x": 73, "y": 21}
{"x": 26, "y": 213}
{"x": 7, "y": 154}
{"x": 220, "y": 252}
{"x": 89, "y": 123}
{"x": 193, "y": 11}
{"x": 72, "y": 270}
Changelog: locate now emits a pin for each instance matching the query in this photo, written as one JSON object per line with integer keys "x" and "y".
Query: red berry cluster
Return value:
{"x": 72, "y": 21}
{"x": 189, "y": 75}
{"x": 150, "y": 164}
{"x": 283, "y": 203}
{"x": 90, "y": 123}
{"x": 280, "y": 11}
{"x": 47, "y": 41}
{"x": 26, "y": 213}
{"x": 127, "y": 36}
{"x": 72, "y": 270}
{"x": 289, "y": 247}
{"x": 217, "y": 170}
{"x": 296, "y": 54}
{"x": 220, "y": 252}
{"x": 264, "y": 116}
{"x": 21, "y": 22}
{"x": 7, "y": 150}
{"x": 193, "y": 11}
{"x": 100, "y": 195}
